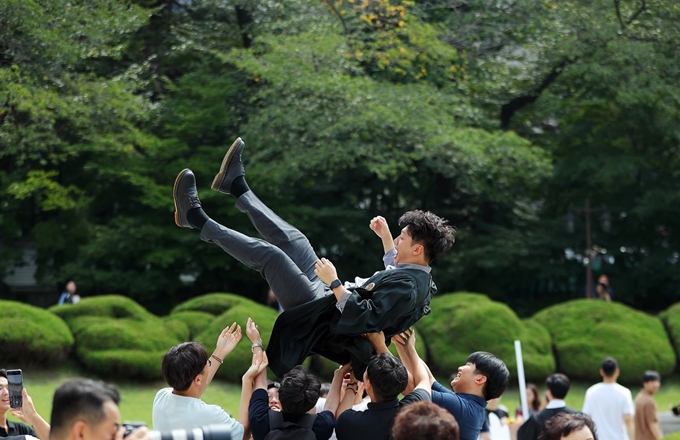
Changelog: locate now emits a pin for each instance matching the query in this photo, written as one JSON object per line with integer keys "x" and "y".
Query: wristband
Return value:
{"x": 217, "y": 359}
{"x": 336, "y": 283}
{"x": 257, "y": 344}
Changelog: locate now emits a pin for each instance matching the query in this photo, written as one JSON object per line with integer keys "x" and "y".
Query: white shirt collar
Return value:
{"x": 556, "y": 403}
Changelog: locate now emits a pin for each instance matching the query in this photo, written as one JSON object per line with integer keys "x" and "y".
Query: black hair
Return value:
{"x": 535, "y": 404}
{"x": 431, "y": 231}
{"x": 558, "y": 384}
{"x": 650, "y": 375}
{"x": 497, "y": 374}
{"x": 388, "y": 376}
{"x": 182, "y": 363}
{"x": 563, "y": 424}
{"x": 80, "y": 399}
{"x": 609, "y": 366}
{"x": 3, "y": 373}
{"x": 271, "y": 384}
{"x": 299, "y": 391}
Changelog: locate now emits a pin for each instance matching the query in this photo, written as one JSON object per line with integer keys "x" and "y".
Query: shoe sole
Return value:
{"x": 174, "y": 196}
{"x": 217, "y": 181}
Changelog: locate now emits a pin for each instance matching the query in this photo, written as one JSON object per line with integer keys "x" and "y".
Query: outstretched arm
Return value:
{"x": 258, "y": 367}
{"x": 382, "y": 230}
{"x": 419, "y": 374}
{"x": 333, "y": 398}
{"x": 29, "y": 415}
{"x": 226, "y": 342}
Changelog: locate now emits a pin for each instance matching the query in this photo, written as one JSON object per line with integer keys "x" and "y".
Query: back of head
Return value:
{"x": 182, "y": 363}
{"x": 433, "y": 232}
{"x": 425, "y": 421}
{"x": 80, "y": 400}
{"x": 299, "y": 391}
{"x": 609, "y": 366}
{"x": 650, "y": 376}
{"x": 3, "y": 373}
{"x": 388, "y": 376}
{"x": 497, "y": 374}
{"x": 558, "y": 384}
{"x": 563, "y": 424}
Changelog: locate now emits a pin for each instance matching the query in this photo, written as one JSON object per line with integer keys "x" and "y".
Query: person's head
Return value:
{"x": 385, "y": 377}
{"x": 558, "y": 386}
{"x": 424, "y": 421}
{"x": 71, "y": 287}
{"x": 273, "y": 393}
{"x": 325, "y": 389}
{"x": 533, "y": 396}
{"x": 185, "y": 367}
{"x": 483, "y": 374}
{"x": 424, "y": 236}
{"x": 85, "y": 409}
{"x": 609, "y": 370}
{"x": 566, "y": 426}
{"x": 4, "y": 392}
{"x": 651, "y": 381}
{"x": 299, "y": 391}
{"x": 604, "y": 279}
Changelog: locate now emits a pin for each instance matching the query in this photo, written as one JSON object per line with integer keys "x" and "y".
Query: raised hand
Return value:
{"x": 253, "y": 332}
{"x": 325, "y": 270}
{"x": 228, "y": 339}
{"x": 379, "y": 226}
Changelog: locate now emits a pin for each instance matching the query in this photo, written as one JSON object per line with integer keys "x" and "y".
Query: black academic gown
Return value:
{"x": 390, "y": 301}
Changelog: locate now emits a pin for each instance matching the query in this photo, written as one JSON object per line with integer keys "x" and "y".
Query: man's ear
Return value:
{"x": 79, "y": 430}
{"x": 480, "y": 380}
{"x": 198, "y": 379}
{"x": 418, "y": 250}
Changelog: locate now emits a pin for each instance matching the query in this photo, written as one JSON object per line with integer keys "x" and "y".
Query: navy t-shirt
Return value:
{"x": 468, "y": 409}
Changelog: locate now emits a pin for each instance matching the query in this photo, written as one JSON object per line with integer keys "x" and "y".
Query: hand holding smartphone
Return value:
{"x": 15, "y": 381}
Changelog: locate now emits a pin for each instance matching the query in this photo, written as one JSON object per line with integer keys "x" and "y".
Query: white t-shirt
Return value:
{"x": 171, "y": 411}
{"x": 606, "y": 403}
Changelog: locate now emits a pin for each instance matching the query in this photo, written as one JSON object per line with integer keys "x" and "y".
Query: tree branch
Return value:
{"x": 643, "y": 8}
{"x": 339, "y": 15}
{"x": 509, "y": 109}
{"x": 617, "y": 7}
{"x": 244, "y": 20}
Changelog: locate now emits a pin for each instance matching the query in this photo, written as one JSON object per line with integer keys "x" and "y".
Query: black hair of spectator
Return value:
{"x": 3, "y": 373}
{"x": 535, "y": 403}
{"x": 271, "y": 384}
{"x": 80, "y": 399}
{"x": 563, "y": 424}
{"x": 299, "y": 391}
{"x": 388, "y": 376}
{"x": 182, "y": 363}
{"x": 558, "y": 384}
{"x": 430, "y": 230}
{"x": 495, "y": 370}
{"x": 425, "y": 421}
{"x": 651, "y": 375}
{"x": 609, "y": 366}
{"x": 325, "y": 389}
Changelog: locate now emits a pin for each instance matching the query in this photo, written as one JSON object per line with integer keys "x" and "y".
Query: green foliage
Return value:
{"x": 240, "y": 359}
{"x": 211, "y": 303}
{"x": 463, "y": 323}
{"x": 671, "y": 321}
{"x": 115, "y": 336}
{"x": 32, "y": 336}
{"x": 195, "y": 322}
{"x": 584, "y": 332}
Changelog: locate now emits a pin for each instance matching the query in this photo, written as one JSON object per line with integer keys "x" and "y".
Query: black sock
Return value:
{"x": 197, "y": 217}
{"x": 239, "y": 186}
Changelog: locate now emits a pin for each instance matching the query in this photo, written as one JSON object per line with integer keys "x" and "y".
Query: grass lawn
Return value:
{"x": 137, "y": 397}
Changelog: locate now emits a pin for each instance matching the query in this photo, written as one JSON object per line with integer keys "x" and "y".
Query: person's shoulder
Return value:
{"x": 417, "y": 395}
{"x": 323, "y": 420}
{"x": 21, "y": 428}
{"x": 349, "y": 415}
{"x": 162, "y": 394}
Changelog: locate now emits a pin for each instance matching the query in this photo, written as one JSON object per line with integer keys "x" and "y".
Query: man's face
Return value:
{"x": 108, "y": 428}
{"x": 4, "y": 395}
{"x": 71, "y": 287}
{"x": 465, "y": 379}
{"x": 404, "y": 246}
{"x": 652, "y": 386}
{"x": 274, "y": 402}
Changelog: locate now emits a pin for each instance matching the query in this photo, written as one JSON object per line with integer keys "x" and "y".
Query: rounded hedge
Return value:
{"x": 212, "y": 303}
{"x": 671, "y": 321}
{"x": 195, "y": 322}
{"x": 116, "y": 336}
{"x": 584, "y": 332}
{"x": 462, "y": 323}
{"x": 239, "y": 360}
{"x": 32, "y": 336}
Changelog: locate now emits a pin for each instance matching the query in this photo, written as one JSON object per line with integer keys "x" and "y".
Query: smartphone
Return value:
{"x": 15, "y": 381}
{"x": 131, "y": 426}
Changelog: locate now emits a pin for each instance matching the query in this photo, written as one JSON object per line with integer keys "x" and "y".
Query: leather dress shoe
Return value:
{"x": 185, "y": 195}
{"x": 231, "y": 168}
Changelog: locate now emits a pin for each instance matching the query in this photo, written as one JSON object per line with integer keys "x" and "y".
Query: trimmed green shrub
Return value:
{"x": 115, "y": 335}
{"x": 584, "y": 332}
{"x": 195, "y": 322}
{"x": 212, "y": 303}
{"x": 463, "y": 323}
{"x": 239, "y": 360}
{"x": 32, "y": 336}
{"x": 671, "y": 321}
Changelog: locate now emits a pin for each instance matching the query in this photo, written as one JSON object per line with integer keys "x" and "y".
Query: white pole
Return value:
{"x": 522, "y": 381}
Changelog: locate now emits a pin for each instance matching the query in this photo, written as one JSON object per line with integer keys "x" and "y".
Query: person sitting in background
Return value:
{"x": 604, "y": 292}
{"x": 69, "y": 295}
{"x": 647, "y": 425}
{"x": 188, "y": 370}
{"x": 425, "y": 421}
{"x": 26, "y": 414}
{"x": 565, "y": 426}
{"x": 558, "y": 387}
{"x": 83, "y": 409}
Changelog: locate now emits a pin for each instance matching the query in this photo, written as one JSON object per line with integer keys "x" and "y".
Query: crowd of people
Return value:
{"x": 350, "y": 323}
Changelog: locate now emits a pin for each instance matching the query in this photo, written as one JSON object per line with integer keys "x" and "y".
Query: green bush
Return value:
{"x": 463, "y": 323}
{"x": 32, "y": 336}
{"x": 584, "y": 332}
{"x": 212, "y": 303}
{"x": 116, "y": 336}
{"x": 195, "y": 322}
{"x": 671, "y": 321}
{"x": 239, "y": 360}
